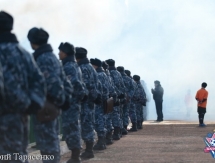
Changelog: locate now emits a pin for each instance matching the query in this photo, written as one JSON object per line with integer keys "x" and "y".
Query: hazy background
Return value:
{"x": 166, "y": 40}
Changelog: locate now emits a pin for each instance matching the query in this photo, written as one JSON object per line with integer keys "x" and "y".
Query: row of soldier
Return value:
{"x": 78, "y": 86}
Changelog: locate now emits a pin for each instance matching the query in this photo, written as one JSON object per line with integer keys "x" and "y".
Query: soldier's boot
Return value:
{"x": 104, "y": 141}
{"x": 139, "y": 125}
{"x": 120, "y": 132}
{"x": 109, "y": 139}
{"x": 124, "y": 130}
{"x": 88, "y": 153}
{"x": 34, "y": 146}
{"x": 100, "y": 145}
{"x": 75, "y": 158}
{"x": 116, "y": 135}
{"x": 134, "y": 127}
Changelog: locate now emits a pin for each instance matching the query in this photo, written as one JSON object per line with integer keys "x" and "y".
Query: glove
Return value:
{"x": 121, "y": 96}
{"x": 123, "y": 101}
{"x": 98, "y": 100}
{"x": 33, "y": 108}
{"x": 66, "y": 105}
{"x": 85, "y": 98}
{"x": 116, "y": 103}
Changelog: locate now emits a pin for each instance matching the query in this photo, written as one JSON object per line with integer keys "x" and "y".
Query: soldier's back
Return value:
{"x": 104, "y": 82}
{"x": 17, "y": 67}
{"x": 24, "y": 93}
{"x": 73, "y": 73}
{"x": 53, "y": 73}
{"x": 72, "y": 69}
{"x": 90, "y": 78}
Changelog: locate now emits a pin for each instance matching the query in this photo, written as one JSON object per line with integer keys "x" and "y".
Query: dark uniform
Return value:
{"x": 132, "y": 106}
{"x": 112, "y": 93}
{"x": 24, "y": 92}
{"x": 90, "y": 79}
{"x": 70, "y": 117}
{"x": 140, "y": 102}
{"x": 100, "y": 116}
{"x": 121, "y": 92}
{"x": 59, "y": 91}
{"x": 130, "y": 90}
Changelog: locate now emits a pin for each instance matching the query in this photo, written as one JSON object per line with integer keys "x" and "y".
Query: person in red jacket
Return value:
{"x": 201, "y": 97}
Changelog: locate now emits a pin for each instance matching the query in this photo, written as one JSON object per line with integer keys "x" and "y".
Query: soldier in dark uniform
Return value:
{"x": 59, "y": 91}
{"x": 70, "y": 117}
{"x": 24, "y": 92}
{"x": 132, "y": 106}
{"x": 90, "y": 79}
{"x": 121, "y": 92}
{"x": 130, "y": 90}
{"x": 100, "y": 116}
{"x": 140, "y": 102}
{"x": 112, "y": 93}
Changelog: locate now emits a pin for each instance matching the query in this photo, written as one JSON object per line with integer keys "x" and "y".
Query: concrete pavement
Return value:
{"x": 165, "y": 142}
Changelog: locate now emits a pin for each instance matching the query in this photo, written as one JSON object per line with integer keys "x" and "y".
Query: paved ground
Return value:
{"x": 166, "y": 142}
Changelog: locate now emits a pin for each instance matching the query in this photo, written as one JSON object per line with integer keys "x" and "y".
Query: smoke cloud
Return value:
{"x": 170, "y": 41}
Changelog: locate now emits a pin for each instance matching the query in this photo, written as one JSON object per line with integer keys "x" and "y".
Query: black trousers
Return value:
{"x": 159, "y": 109}
{"x": 201, "y": 112}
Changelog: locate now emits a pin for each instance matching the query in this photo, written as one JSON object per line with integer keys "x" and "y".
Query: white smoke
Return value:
{"x": 170, "y": 41}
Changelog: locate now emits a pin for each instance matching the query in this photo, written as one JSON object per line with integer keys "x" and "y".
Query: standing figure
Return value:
{"x": 100, "y": 116}
{"x": 23, "y": 92}
{"x": 46, "y": 133}
{"x": 90, "y": 79}
{"x": 158, "y": 98}
{"x": 121, "y": 93}
{"x": 202, "y": 98}
{"x": 130, "y": 91}
{"x": 70, "y": 117}
{"x": 112, "y": 93}
{"x": 140, "y": 102}
{"x": 132, "y": 107}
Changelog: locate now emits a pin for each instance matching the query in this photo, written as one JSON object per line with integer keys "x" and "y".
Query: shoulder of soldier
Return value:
{"x": 113, "y": 73}
{"x": 86, "y": 66}
{"x": 14, "y": 49}
{"x": 102, "y": 75}
{"x": 8, "y": 46}
{"x": 69, "y": 66}
{"x": 106, "y": 76}
{"x": 129, "y": 79}
{"x": 47, "y": 57}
